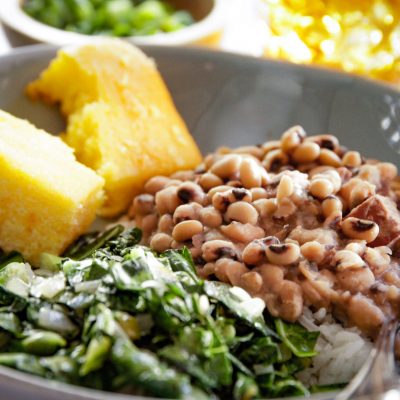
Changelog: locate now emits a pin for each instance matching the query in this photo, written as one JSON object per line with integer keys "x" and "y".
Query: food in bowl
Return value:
{"x": 244, "y": 279}
{"x": 297, "y": 222}
{"x": 109, "y": 18}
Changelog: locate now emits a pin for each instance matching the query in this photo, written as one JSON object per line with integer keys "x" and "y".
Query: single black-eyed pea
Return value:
{"x": 356, "y": 281}
{"x": 184, "y": 175}
{"x": 226, "y": 166}
{"x": 285, "y": 187}
{"x": 360, "y": 229}
{"x": 251, "y": 282}
{"x": 330, "y": 205}
{"x": 243, "y": 212}
{"x": 274, "y": 160}
{"x": 215, "y": 249}
{"x": 388, "y": 171}
{"x": 307, "y": 152}
{"x": 292, "y": 138}
{"x": 254, "y": 151}
{"x": 258, "y": 193}
{"x": 229, "y": 271}
{"x": 167, "y": 200}
{"x": 161, "y": 242}
{"x": 186, "y": 212}
{"x": 360, "y": 193}
{"x": 190, "y": 192}
{"x": 142, "y": 204}
{"x": 270, "y": 145}
{"x": 265, "y": 207}
{"x": 221, "y": 200}
{"x": 165, "y": 223}
{"x": 155, "y": 184}
{"x": 173, "y": 182}
{"x": 345, "y": 259}
{"x": 210, "y": 159}
{"x": 333, "y": 220}
{"x": 250, "y": 174}
{"x": 313, "y": 251}
{"x": 254, "y": 252}
{"x": 352, "y": 159}
{"x": 209, "y": 180}
{"x": 328, "y": 142}
{"x": 217, "y": 189}
{"x": 243, "y": 233}
{"x": 321, "y": 187}
{"x": 149, "y": 223}
{"x": 185, "y": 230}
{"x": 328, "y": 157}
{"x": 357, "y": 246}
{"x": 283, "y": 254}
{"x": 210, "y": 217}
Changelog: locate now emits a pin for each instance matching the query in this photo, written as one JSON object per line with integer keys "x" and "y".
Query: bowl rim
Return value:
{"x": 12, "y": 15}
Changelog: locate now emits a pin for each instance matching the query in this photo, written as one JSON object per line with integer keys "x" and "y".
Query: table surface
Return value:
{"x": 245, "y": 30}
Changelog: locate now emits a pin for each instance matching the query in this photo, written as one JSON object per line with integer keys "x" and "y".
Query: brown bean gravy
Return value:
{"x": 297, "y": 222}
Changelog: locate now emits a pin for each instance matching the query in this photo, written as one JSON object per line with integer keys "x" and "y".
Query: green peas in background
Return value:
{"x": 109, "y": 17}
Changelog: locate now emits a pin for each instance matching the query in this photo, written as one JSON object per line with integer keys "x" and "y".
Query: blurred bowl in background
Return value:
{"x": 208, "y": 16}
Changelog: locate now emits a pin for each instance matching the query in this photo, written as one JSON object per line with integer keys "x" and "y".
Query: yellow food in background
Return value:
{"x": 360, "y": 36}
{"x": 121, "y": 119}
{"x": 47, "y": 198}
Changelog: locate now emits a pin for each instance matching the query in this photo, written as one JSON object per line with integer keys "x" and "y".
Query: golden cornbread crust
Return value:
{"x": 47, "y": 198}
{"x": 121, "y": 119}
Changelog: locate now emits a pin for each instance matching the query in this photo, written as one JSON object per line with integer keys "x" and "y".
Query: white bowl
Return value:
{"x": 204, "y": 30}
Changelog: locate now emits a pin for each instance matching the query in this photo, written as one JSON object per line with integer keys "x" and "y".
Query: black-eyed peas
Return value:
{"x": 186, "y": 212}
{"x": 155, "y": 184}
{"x": 209, "y": 180}
{"x": 352, "y": 159}
{"x": 283, "y": 254}
{"x": 285, "y": 188}
{"x": 226, "y": 166}
{"x": 274, "y": 160}
{"x": 313, "y": 251}
{"x": 185, "y": 230}
{"x": 347, "y": 259}
{"x": 301, "y": 191}
{"x": 161, "y": 242}
{"x": 251, "y": 282}
{"x": 215, "y": 249}
{"x": 328, "y": 142}
{"x": 242, "y": 233}
{"x": 266, "y": 207}
{"x": 331, "y": 205}
{"x": 328, "y": 157}
{"x": 165, "y": 223}
{"x": 230, "y": 271}
{"x": 360, "y": 229}
{"x": 142, "y": 204}
{"x": 167, "y": 200}
{"x": 321, "y": 187}
{"x": 243, "y": 212}
{"x": 250, "y": 173}
{"x": 190, "y": 192}
{"x": 292, "y": 138}
{"x": 306, "y": 153}
{"x": 210, "y": 217}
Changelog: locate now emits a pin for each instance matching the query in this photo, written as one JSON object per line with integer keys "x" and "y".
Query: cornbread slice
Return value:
{"x": 47, "y": 198}
{"x": 121, "y": 119}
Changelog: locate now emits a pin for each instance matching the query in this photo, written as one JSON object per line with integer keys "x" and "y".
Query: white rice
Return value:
{"x": 341, "y": 351}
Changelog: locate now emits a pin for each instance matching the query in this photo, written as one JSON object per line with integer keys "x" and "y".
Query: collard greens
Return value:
{"x": 113, "y": 315}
